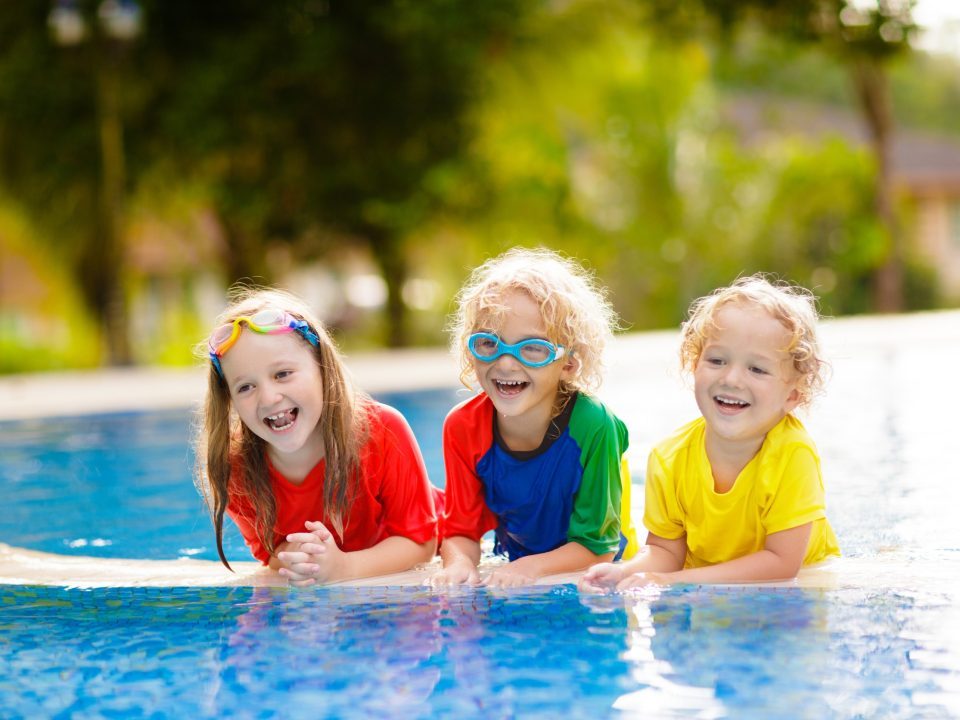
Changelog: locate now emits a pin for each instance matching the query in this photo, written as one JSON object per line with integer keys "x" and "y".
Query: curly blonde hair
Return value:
{"x": 792, "y": 306}
{"x": 574, "y": 308}
{"x": 225, "y": 447}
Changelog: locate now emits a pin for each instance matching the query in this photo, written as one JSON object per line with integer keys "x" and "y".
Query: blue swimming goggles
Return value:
{"x": 533, "y": 353}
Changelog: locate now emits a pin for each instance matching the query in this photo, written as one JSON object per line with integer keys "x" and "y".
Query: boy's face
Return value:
{"x": 744, "y": 381}
{"x": 523, "y": 396}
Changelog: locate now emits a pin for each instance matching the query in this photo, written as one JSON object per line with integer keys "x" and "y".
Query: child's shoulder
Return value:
{"x": 470, "y": 412}
{"x": 787, "y": 434}
{"x": 589, "y": 412}
{"x": 382, "y": 422}
{"x": 682, "y": 439}
{"x": 470, "y": 424}
{"x": 381, "y": 415}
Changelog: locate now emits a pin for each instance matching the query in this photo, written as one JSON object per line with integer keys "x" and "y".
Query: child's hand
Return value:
{"x": 510, "y": 575}
{"x": 643, "y": 579}
{"x": 316, "y": 557}
{"x": 454, "y": 574}
{"x": 601, "y": 578}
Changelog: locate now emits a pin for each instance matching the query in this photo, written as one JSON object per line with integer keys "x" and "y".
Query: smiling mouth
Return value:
{"x": 282, "y": 420}
{"x": 726, "y": 403}
{"x": 510, "y": 387}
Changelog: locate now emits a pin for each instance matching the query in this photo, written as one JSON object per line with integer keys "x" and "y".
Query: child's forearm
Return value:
{"x": 567, "y": 558}
{"x": 652, "y": 558}
{"x": 762, "y": 566}
{"x": 274, "y": 562}
{"x": 781, "y": 559}
{"x": 458, "y": 550}
{"x": 390, "y": 555}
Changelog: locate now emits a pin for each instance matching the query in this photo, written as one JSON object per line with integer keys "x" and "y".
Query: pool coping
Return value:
{"x": 21, "y": 566}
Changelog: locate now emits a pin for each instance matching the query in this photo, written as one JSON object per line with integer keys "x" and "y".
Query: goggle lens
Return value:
{"x": 269, "y": 321}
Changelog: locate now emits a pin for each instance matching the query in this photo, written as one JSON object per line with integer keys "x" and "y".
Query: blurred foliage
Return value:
{"x": 54, "y": 331}
{"x": 428, "y": 136}
{"x": 925, "y": 88}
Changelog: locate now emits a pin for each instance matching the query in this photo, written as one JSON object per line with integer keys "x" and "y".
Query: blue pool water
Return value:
{"x": 404, "y": 652}
{"x": 120, "y": 485}
{"x": 885, "y": 646}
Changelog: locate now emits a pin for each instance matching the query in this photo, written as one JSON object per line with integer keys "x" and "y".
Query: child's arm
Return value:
{"x": 523, "y": 571}
{"x": 659, "y": 555}
{"x": 467, "y": 433}
{"x": 460, "y": 555}
{"x": 780, "y": 559}
{"x": 317, "y": 559}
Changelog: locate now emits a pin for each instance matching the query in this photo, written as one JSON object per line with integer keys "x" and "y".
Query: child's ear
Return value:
{"x": 571, "y": 366}
{"x": 793, "y": 400}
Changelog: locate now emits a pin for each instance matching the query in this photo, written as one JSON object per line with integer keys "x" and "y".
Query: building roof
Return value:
{"x": 923, "y": 162}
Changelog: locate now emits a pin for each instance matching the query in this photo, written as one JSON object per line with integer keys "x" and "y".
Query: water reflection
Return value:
{"x": 766, "y": 652}
{"x": 333, "y": 652}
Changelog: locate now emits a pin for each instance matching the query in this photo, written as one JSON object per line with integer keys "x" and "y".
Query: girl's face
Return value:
{"x": 744, "y": 381}
{"x": 521, "y": 394}
{"x": 275, "y": 386}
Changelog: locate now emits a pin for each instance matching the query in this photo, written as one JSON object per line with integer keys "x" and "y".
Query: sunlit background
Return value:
{"x": 367, "y": 155}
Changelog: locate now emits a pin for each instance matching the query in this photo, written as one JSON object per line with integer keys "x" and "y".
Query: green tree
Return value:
{"x": 865, "y": 37}
{"x": 302, "y": 118}
{"x": 61, "y": 154}
{"x": 322, "y": 117}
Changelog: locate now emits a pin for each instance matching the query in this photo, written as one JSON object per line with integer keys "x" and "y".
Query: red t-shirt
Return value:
{"x": 394, "y": 495}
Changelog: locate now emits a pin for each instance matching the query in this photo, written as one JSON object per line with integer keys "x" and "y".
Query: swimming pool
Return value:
{"x": 882, "y": 639}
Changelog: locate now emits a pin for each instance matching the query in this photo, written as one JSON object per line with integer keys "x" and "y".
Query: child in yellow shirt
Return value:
{"x": 737, "y": 495}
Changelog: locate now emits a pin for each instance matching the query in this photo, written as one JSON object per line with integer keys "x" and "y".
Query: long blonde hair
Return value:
{"x": 225, "y": 446}
{"x": 574, "y": 309}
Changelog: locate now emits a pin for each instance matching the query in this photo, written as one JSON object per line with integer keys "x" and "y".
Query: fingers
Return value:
{"x": 307, "y": 538}
{"x": 635, "y": 580}
{"x": 319, "y": 529}
{"x": 506, "y": 580}
{"x": 299, "y": 566}
{"x": 300, "y": 577}
{"x": 317, "y": 534}
{"x": 588, "y": 587}
{"x": 448, "y": 578}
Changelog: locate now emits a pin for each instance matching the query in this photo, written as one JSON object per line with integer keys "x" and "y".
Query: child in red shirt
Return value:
{"x": 324, "y": 483}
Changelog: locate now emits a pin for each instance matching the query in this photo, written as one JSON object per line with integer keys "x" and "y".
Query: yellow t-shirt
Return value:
{"x": 779, "y": 489}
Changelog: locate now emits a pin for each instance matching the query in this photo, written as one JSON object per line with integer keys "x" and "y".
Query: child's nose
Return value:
{"x": 508, "y": 361}
{"x": 269, "y": 393}
{"x": 734, "y": 375}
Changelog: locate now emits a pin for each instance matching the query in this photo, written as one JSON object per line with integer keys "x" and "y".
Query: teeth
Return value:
{"x": 287, "y": 417}
{"x": 731, "y": 401}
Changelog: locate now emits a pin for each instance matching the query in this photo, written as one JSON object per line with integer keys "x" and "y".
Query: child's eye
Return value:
{"x": 715, "y": 361}
{"x": 243, "y": 388}
{"x": 284, "y": 373}
{"x": 758, "y": 371}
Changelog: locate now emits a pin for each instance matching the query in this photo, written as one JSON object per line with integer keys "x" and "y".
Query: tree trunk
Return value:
{"x": 102, "y": 269}
{"x": 872, "y": 86}
{"x": 243, "y": 259}
{"x": 389, "y": 256}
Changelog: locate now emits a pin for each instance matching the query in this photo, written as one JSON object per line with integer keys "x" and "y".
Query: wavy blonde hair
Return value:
{"x": 792, "y": 306}
{"x": 224, "y": 444}
{"x": 575, "y": 311}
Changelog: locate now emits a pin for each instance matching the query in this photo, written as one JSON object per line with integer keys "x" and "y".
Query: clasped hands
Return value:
{"x": 311, "y": 557}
